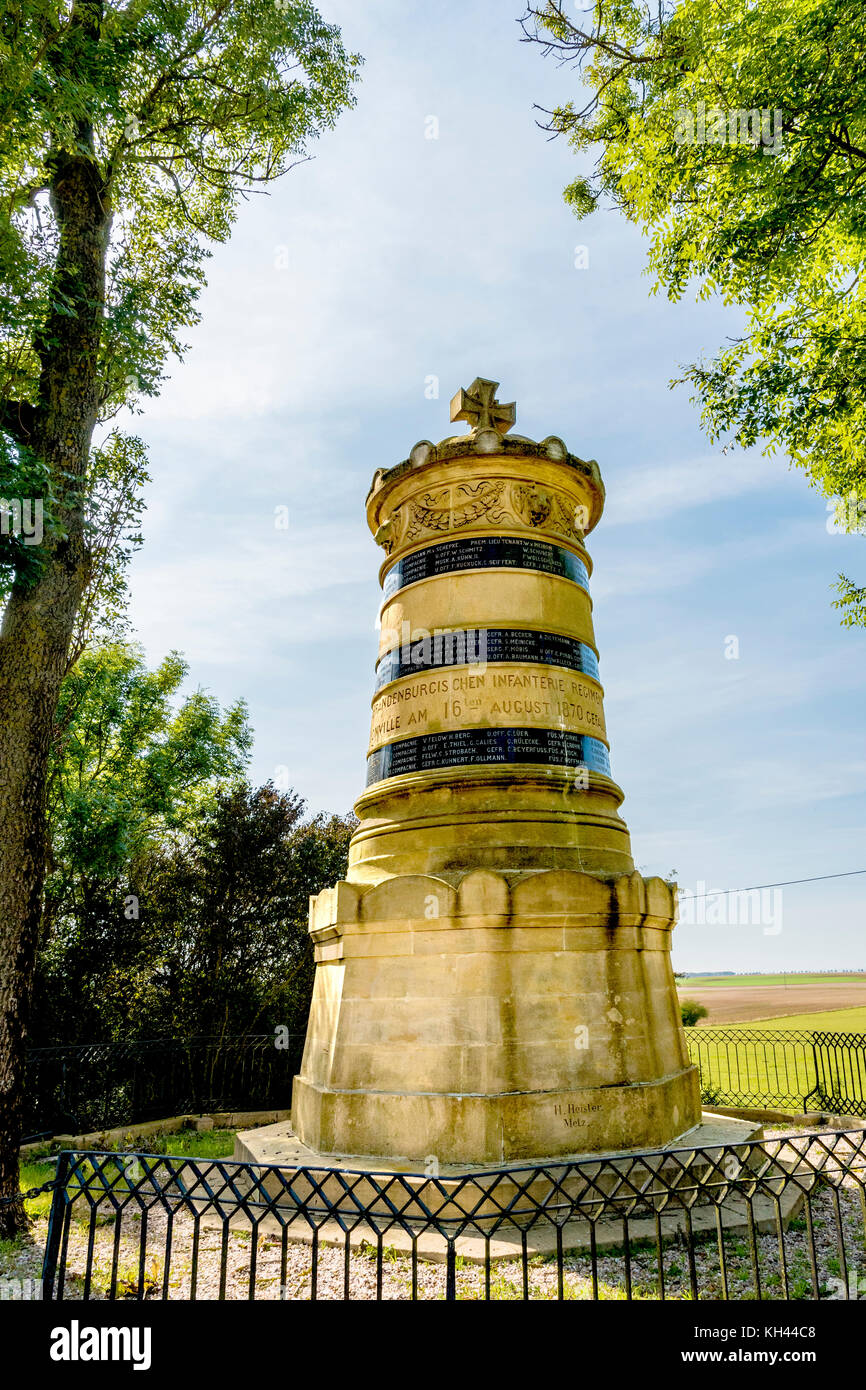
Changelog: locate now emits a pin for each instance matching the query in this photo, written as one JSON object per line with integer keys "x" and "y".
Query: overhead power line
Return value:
{"x": 786, "y": 883}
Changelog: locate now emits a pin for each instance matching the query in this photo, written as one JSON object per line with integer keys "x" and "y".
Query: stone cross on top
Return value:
{"x": 481, "y": 409}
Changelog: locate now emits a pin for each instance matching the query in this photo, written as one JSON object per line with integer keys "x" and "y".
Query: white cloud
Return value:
{"x": 658, "y": 490}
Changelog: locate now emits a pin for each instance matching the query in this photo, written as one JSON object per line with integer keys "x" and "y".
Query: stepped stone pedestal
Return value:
{"x": 494, "y": 1018}
{"x": 493, "y": 979}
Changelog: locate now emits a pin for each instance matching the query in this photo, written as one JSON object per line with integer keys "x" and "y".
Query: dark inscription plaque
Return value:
{"x": 484, "y": 553}
{"x": 478, "y": 646}
{"x": 466, "y": 746}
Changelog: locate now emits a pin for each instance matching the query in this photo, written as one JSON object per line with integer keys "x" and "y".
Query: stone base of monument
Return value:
{"x": 513, "y": 1207}
{"x": 493, "y": 1017}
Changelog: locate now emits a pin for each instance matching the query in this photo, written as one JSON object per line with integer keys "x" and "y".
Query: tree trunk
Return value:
{"x": 39, "y": 620}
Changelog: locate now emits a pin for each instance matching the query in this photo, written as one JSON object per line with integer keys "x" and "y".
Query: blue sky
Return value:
{"x": 391, "y": 257}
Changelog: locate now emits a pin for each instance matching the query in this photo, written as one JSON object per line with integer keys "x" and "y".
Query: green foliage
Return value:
{"x": 117, "y": 472}
{"x": 177, "y": 897}
{"x": 190, "y": 106}
{"x": 191, "y": 1143}
{"x": 129, "y": 1282}
{"x": 112, "y": 506}
{"x": 767, "y": 211}
{"x": 181, "y": 110}
{"x": 852, "y": 602}
{"x": 224, "y": 915}
{"x": 691, "y": 1011}
{"x": 24, "y": 479}
{"x": 182, "y": 1143}
{"x": 130, "y": 763}
{"x": 32, "y": 1175}
{"x": 580, "y": 197}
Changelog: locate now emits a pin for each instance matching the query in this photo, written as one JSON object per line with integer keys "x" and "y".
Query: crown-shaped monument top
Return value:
{"x": 481, "y": 409}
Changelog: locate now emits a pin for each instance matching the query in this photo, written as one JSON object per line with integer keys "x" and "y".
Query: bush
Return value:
{"x": 691, "y": 1011}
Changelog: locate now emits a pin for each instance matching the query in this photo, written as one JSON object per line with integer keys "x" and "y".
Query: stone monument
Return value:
{"x": 493, "y": 979}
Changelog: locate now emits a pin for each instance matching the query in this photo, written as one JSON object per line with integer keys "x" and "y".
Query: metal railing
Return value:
{"x": 782, "y": 1219}
{"x": 790, "y": 1070}
{"x": 103, "y": 1085}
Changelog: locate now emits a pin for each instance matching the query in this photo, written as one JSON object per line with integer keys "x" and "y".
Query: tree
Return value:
{"x": 129, "y": 134}
{"x": 229, "y": 910}
{"x": 128, "y": 770}
{"x": 218, "y": 943}
{"x": 691, "y": 1011}
{"x": 117, "y": 473}
{"x": 735, "y": 136}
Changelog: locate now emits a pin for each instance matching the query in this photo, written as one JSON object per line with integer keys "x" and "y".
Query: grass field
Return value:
{"x": 830, "y": 1021}
{"x": 738, "y": 1003}
{"x": 760, "y": 981}
{"x": 188, "y": 1143}
{"x": 748, "y": 1068}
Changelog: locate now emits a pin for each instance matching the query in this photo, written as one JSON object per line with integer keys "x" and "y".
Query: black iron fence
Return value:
{"x": 791, "y": 1070}
{"x": 777, "y": 1219}
{"x": 75, "y": 1090}
{"x": 103, "y": 1085}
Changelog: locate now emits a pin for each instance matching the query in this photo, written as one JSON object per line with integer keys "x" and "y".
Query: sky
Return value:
{"x": 391, "y": 258}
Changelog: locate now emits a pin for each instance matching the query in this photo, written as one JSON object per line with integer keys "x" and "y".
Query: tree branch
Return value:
{"x": 18, "y": 418}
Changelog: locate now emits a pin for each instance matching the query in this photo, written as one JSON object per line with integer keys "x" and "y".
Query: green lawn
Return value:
{"x": 828, "y": 1021}
{"x": 34, "y": 1175}
{"x": 750, "y": 1069}
{"x": 191, "y": 1143}
{"x": 757, "y": 981}
{"x": 186, "y": 1143}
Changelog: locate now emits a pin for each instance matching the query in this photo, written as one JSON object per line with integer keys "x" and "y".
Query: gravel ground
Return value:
{"x": 834, "y": 1210}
